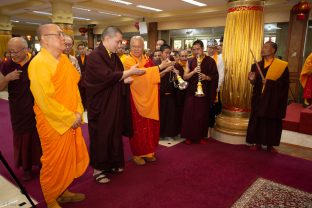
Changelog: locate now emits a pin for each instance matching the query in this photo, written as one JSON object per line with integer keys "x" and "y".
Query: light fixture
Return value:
{"x": 149, "y": 8}
{"x": 121, "y": 2}
{"x": 110, "y": 14}
{"x": 33, "y": 23}
{"x": 39, "y": 12}
{"x": 81, "y": 18}
{"x": 82, "y": 9}
{"x": 14, "y": 21}
{"x": 195, "y": 3}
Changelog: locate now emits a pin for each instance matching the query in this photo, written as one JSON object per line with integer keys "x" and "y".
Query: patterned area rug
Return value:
{"x": 265, "y": 193}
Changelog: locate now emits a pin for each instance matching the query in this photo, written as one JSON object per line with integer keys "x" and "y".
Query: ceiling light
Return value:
{"x": 81, "y": 18}
{"x": 121, "y": 2}
{"x": 195, "y": 3}
{"x": 33, "y": 23}
{"x": 110, "y": 14}
{"x": 14, "y": 21}
{"x": 82, "y": 9}
{"x": 149, "y": 8}
{"x": 39, "y": 12}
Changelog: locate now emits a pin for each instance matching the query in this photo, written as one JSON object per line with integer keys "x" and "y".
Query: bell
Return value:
{"x": 199, "y": 92}
{"x": 182, "y": 84}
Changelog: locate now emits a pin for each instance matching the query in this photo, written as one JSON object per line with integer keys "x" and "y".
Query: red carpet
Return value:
{"x": 298, "y": 118}
{"x": 213, "y": 175}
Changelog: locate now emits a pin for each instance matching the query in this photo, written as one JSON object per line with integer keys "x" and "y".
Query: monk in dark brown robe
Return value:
{"x": 168, "y": 91}
{"x": 196, "y": 109}
{"x": 108, "y": 105}
{"x": 269, "y": 99}
{"x": 82, "y": 61}
{"x": 14, "y": 74}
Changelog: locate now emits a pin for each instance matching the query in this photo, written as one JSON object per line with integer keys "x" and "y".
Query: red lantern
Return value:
{"x": 83, "y": 31}
{"x": 137, "y": 26}
{"x": 301, "y": 9}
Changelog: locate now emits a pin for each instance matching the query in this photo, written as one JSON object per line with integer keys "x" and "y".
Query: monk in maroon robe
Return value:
{"x": 168, "y": 91}
{"x": 269, "y": 99}
{"x": 196, "y": 109}
{"x": 14, "y": 74}
{"x": 108, "y": 105}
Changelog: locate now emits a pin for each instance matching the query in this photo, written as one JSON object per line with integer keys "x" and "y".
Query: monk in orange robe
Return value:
{"x": 58, "y": 109}
{"x": 306, "y": 81}
{"x": 144, "y": 103}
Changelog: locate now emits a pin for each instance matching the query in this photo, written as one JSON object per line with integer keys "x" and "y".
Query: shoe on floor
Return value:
{"x": 255, "y": 147}
{"x": 203, "y": 141}
{"x": 53, "y": 204}
{"x": 67, "y": 197}
{"x": 100, "y": 177}
{"x": 188, "y": 142}
{"x": 138, "y": 160}
{"x": 117, "y": 170}
{"x": 271, "y": 149}
{"x": 150, "y": 159}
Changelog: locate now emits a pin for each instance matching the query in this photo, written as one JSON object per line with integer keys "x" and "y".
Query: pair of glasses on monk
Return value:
{"x": 58, "y": 34}
{"x": 14, "y": 53}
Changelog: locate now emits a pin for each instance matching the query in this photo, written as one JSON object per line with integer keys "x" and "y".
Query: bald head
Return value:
{"x": 51, "y": 38}
{"x": 20, "y": 41}
{"x": 18, "y": 49}
{"x": 111, "y": 31}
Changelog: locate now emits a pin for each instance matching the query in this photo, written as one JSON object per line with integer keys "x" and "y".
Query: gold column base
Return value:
{"x": 232, "y": 122}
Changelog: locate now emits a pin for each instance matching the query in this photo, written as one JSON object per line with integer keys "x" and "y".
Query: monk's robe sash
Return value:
{"x": 275, "y": 70}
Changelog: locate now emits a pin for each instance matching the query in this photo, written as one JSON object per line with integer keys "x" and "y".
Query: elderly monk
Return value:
{"x": 69, "y": 43}
{"x": 108, "y": 105}
{"x": 144, "y": 103}
{"x": 58, "y": 109}
{"x": 14, "y": 74}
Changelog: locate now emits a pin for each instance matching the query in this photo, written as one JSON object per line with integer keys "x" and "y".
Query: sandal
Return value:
{"x": 117, "y": 170}
{"x": 101, "y": 177}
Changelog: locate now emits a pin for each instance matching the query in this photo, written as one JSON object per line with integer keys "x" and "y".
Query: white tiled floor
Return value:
{"x": 10, "y": 195}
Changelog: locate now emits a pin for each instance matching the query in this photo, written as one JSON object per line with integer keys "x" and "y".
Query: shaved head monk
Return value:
{"x": 58, "y": 109}
{"x": 13, "y": 73}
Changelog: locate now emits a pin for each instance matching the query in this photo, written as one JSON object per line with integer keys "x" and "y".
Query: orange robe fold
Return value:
{"x": 65, "y": 156}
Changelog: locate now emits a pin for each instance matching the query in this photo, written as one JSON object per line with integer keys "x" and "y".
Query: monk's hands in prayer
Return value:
{"x": 128, "y": 80}
{"x": 78, "y": 121}
{"x": 14, "y": 75}
{"x": 264, "y": 81}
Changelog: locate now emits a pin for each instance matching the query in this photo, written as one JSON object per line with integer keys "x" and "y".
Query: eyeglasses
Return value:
{"x": 58, "y": 34}
{"x": 68, "y": 45}
{"x": 15, "y": 52}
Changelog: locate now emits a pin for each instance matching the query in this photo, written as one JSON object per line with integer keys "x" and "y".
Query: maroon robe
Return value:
{"x": 267, "y": 108}
{"x": 27, "y": 148}
{"x": 109, "y": 112}
{"x": 196, "y": 109}
{"x": 81, "y": 86}
{"x": 168, "y": 108}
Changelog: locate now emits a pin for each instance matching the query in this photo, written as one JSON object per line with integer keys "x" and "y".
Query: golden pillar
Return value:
{"x": 62, "y": 15}
{"x": 243, "y": 32}
{"x": 5, "y": 33}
